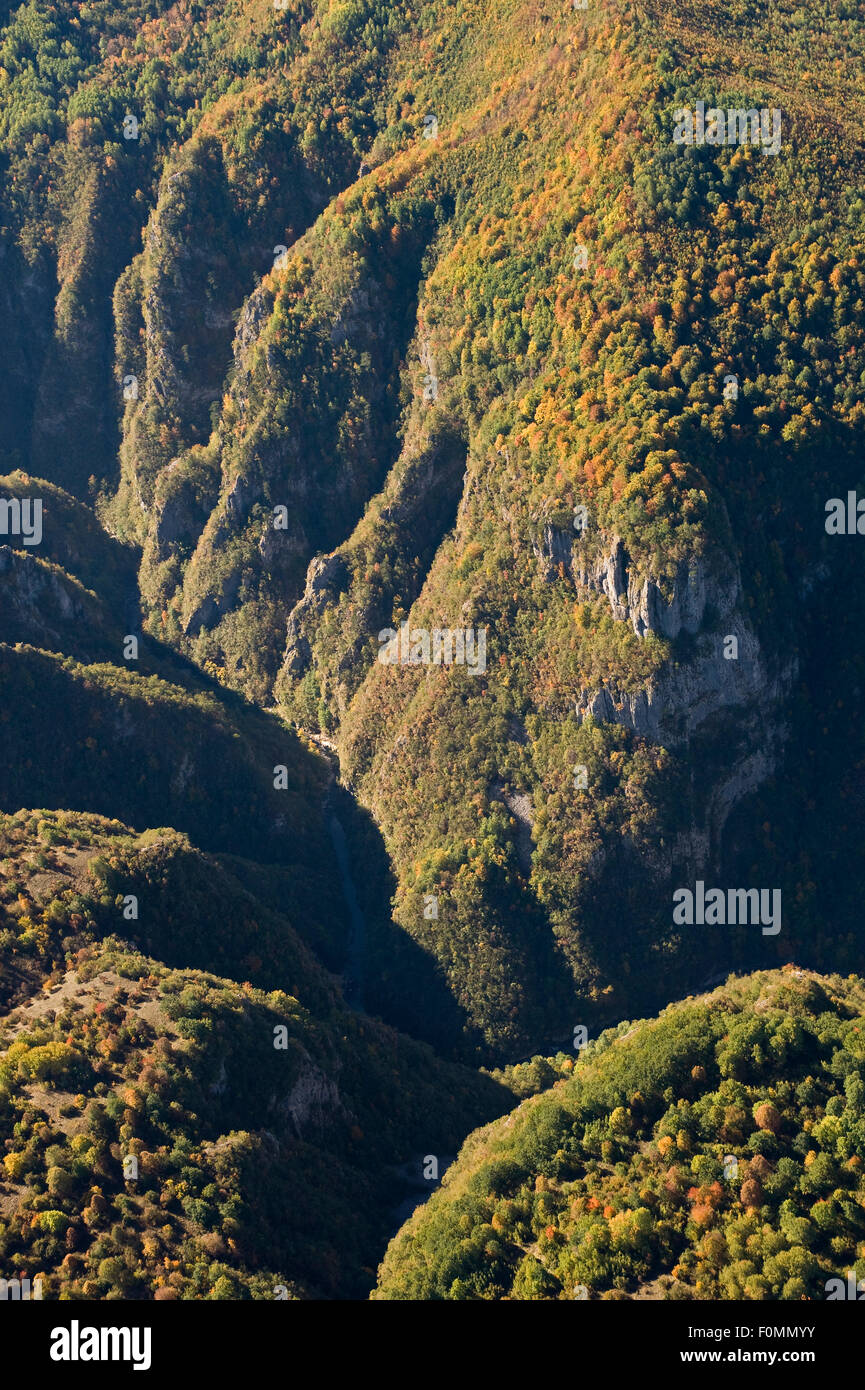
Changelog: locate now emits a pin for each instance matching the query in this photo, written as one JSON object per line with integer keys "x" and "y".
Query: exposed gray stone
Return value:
{"x": 698, "y": 690}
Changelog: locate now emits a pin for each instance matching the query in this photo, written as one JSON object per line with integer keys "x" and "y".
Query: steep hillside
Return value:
{"x": 426, "y": 316}
{"x": 190, "y": 1107}
{"x": 170, "y": 1134}
{"x": 419, "y": 425}
{"x": 69, "y": 880}
{"x": 712, "y": 1153}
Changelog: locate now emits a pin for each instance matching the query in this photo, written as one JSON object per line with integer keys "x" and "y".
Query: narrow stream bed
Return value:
{"x": 354, "y": 991}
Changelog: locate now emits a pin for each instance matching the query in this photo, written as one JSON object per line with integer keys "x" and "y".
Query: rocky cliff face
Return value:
{"x": 718, "y": 680}
{"x": 326, "y": 576}
{"x": 694, "y": 591}
{"x": 703, "y": 601}
{"x": 313, "y": 1105}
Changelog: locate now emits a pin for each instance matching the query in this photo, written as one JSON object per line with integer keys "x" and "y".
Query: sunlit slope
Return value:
{"x": 171, "y": 1134}
{"x": 389, "y": 295}
{"x": 712, "y": 1153}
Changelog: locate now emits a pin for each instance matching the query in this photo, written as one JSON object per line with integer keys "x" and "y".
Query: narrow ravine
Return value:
{"x": 412, "y": 1186}
{"x": 354, "y": 964}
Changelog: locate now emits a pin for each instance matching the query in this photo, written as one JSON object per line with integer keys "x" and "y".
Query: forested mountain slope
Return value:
{"x": 344, "y": 315}
{"x": 712, "y": 1153}
{"x": 175, "y": 1134}
{"x": 189, "y": 1106}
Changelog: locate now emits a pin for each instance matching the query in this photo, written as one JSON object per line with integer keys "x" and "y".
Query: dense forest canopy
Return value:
{"x": 531, "y": 338}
